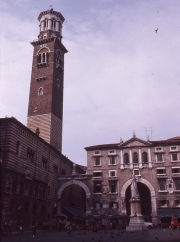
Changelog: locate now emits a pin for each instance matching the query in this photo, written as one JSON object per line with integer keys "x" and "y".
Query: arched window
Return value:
{"x": 53, "y": 24}
{"x": 39, "y": 58}
{"x": 43, "y": 58}
{"x": 18, "y": 148}
{"x": 135, "y": 157}
{"x": 144, "y": 157}
{"x": 40, "y": 91}
{"x": 126, "y": 159}
{"x": 49, "y": 189}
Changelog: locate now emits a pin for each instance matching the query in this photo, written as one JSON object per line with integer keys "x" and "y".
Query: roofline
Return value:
{"x": 17, "y": 122}
{"x": 53, "y": 12}
{"x": 171, "y": 141}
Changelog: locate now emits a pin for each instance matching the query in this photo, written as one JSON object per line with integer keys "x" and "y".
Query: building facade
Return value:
{"x": 30, "y": 168}
{"x": 156, "y": 164}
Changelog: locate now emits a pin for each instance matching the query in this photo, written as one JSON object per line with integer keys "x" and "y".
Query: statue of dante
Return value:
{"x": 134, "y": 189}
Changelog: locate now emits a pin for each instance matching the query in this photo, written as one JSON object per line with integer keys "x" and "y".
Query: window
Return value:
{"x": 53, "y": 24}
{"x": 126, "y": 159}
{"x": 14, "y": 186}
{"x": 44, "y": 163}
{"x": 159, "y": 157}
{"x": 144, "y": 158}
{"x": 136, "y": 172}
{"x": 97, "y": 205}
{"x": 40, "y": 91}
{"x": 63, "y": 172}
{"x": 49, "y": 189}
{"x": 21, "y": 189}
{"x": 177, "y": 203}
{"x": 177, "y": 184}
{"x": 30, "y": 190}
{"x": 161, "y": 171}
{"x": 112, "y": 152}
{"x": 18, "y": 148}
{"x": 112, "y": 173}
{"x": 158, "y": 149}
{"x": 97, "y": 187}
{"x": 55, "y": 169}
{"x": 97, "y": 161}
{"x": 30, "y": 155}
{"x": 113, "y": 205}
{"x": 174, "y": 157}
{"x": 43, "y": 57}
{"x": 162, "y": 184}
{"x": 97, "y": 152}
{"x": 36, "y": 191}
{"x": 163, "y": 203}
{"x": 175, "y": 170}
{"x": 135, "y": 157}
{"x": 112, "y": 160}
{"x": 59, "y": 59}
{"x": 55, "y": 193}
{"x": 112, "y": 186}
{"x": 97, "y": 174}
{"x": 173, "y": 148}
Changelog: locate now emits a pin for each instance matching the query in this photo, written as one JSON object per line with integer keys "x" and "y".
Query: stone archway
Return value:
{"x": 152, "y": 192}
{"x": 82, "y": 185}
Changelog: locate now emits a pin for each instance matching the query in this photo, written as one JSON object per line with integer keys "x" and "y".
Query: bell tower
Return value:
{"x": 45, "y": 110}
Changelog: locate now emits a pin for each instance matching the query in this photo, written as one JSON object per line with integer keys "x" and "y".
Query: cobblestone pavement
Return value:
{"x": 166, "y": 235}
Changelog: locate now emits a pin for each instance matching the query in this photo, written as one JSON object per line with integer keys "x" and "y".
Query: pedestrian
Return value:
{"x": 9, "y": 225}
{"x": 69, "y": 229}
{"x": 21, "y": 226}
{"x": 33, "y": 225}
{"x": 5, "y": 228}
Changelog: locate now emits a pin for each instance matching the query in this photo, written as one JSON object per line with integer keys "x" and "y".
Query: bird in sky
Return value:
{"x": 156, "y": 30}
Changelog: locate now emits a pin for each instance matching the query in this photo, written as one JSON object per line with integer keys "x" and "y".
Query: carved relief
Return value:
{"x": 170, "y": 187}
{"x": 105, "y": 188}
{"x": 28, "y": 173}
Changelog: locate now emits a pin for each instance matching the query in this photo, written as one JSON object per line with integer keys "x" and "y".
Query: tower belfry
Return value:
{"x": 45, "y": 111}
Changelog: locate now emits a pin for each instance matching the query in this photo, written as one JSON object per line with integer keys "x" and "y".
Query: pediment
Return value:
{"x": 133, "y": 142}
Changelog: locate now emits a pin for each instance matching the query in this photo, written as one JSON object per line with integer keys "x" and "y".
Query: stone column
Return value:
{"x": 49, "y": 23}
{"x": 122, "y": 165}
{"x": 88, "y": 205}
{"x": 41, "y": 58}
{"x": 46, "y": 57}
{"x": 140, "y": 158}
{"x": 149, "y": 158}
{"x": 131, "y": 161}
{"x": 57, "y": 26}
{"x": 59, "y": 206}
{"x": 123, "y": 206}
{"x": 42, "y": 26}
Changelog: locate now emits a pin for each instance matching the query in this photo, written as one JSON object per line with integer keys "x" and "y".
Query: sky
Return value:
{"x": 120, "y": 75}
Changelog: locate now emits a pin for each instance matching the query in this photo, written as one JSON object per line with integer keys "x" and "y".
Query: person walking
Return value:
{"x": 69, "y": 229}
{"x": 33, "y": 225}
{"x": 21, "y": 226}
{"x": 9, "y": 225}
{"x": 5, "y": 229}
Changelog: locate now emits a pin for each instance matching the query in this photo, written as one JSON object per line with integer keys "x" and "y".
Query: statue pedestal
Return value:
{"x": 136, "y": 220}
